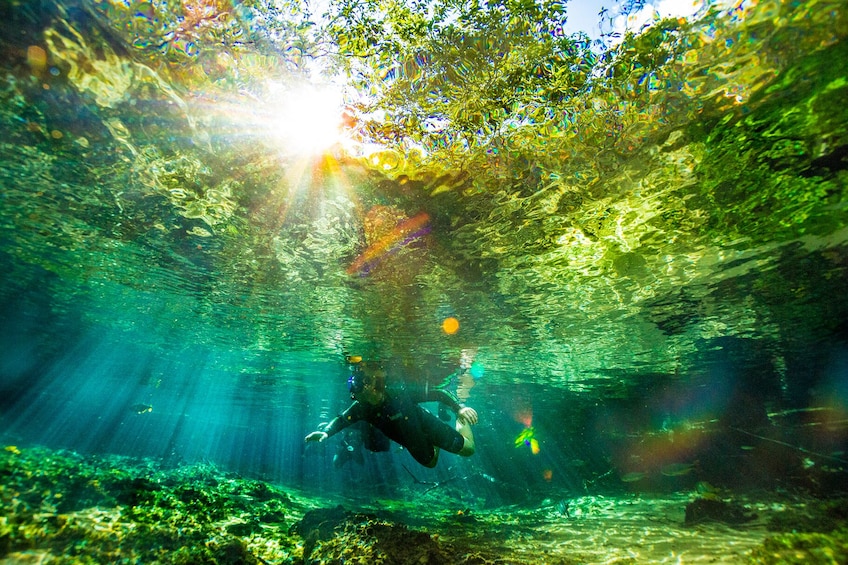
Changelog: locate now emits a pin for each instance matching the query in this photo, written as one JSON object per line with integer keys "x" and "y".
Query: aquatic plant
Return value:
{"x": 802, "y": 548}
{"x": 92, "y": 509}
{"x": 67, "y": 507}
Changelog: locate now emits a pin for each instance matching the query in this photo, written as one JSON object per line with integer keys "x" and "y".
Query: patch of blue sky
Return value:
{"x": 611, "y": 20}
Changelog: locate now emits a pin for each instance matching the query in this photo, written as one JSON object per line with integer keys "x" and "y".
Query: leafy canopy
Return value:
{"x": 457, "y": 71}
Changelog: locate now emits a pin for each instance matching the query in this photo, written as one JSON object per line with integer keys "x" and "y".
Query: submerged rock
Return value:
{"x": 370, "y": 540}
{"x": 715, "y": 510}
{"x": 334, "y": 535}
{"x": 373, "y": 541}
{"x": 321, "y": 522}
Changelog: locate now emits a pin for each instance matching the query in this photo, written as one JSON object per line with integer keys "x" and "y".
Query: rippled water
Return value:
{"x": 658, "y": 249}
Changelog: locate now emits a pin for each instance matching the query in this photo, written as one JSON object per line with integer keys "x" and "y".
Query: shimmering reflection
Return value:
{"x": 638, "y": 255}
{"x": 641, "y": 528}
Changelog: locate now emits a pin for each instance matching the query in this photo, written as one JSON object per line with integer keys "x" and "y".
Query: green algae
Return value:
{"x": 815, "y": 533}
{"x": 69, "y": 508}
{"x": 80, "y": 509}
{"x": 63, "y": 507}
{"x": 798, "y": 548}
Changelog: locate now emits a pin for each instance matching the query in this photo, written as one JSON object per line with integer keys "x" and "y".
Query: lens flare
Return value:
{"x": 534, "y": 446}
{"x": 450, "y": 325}
{"x": 404, "y": 233}
{"x": 307, "y": 119}
{"x": 527, "y": 437}
{"x": 36, "y": 58}
{"x": 525, "y": 416}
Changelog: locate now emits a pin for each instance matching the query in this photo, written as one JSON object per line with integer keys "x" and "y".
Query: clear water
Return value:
{"x": 648, "y": 270}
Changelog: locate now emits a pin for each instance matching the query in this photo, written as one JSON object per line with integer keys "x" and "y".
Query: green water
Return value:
{"x": 641, "y": 238}
{"x": 601, "y": 220}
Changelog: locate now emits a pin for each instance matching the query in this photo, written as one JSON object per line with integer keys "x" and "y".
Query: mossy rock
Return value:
{"x": 373, "y": 541}
{"x": 824, "y": 517}
{"x": 364, "y": 539}
{"x": 803, "y": 549}
{"x": 228, "y": 551}
{"x": 321, "y": 523}
{"x": 714, "y": 510}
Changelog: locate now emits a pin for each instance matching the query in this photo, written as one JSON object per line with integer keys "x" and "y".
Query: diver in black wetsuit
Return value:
{"x": 357, "y": 437}
{"x": 400, "y": 418}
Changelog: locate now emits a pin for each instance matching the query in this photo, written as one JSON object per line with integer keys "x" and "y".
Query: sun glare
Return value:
{"x": 307, "y": 120}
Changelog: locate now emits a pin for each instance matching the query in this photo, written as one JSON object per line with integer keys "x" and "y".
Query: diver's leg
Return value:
{"x": 416, "y": 439}
{"x": 458, "y": 439}
{"x": 435, "y": 459}
{"x": 347, "y": 449}
{"x": 464, "y": 430}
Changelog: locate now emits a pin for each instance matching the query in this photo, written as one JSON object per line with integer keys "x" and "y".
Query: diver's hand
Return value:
{"x": 317, "y": 436}
{"x": 467, "y": 415}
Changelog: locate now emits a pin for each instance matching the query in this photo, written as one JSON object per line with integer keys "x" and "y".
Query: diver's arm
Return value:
{"x": 445, "y": 397}
{"x": 462, "y": 411}
{"x": 337, "y": 424}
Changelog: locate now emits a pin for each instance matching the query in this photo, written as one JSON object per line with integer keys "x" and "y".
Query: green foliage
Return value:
{"x": 640, "y": 54}
{"x": 771, "y": 171}
{"x": 458, "y": 72}
{"x": 557, "y": 173}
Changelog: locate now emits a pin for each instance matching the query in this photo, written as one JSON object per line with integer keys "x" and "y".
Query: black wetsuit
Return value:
{"x": 401, "y": 419}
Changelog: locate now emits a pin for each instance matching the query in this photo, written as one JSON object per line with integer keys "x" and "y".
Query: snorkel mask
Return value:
{"x": 359, "y": 378}
{"x": 356, "y": 381}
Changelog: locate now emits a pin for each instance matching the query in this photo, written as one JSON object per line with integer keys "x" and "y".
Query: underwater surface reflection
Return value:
{"x": 627, "y": 253}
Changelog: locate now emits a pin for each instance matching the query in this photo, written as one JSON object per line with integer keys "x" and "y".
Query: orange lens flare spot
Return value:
{"x": 36, "y": 58}
{"x": 450, "y": 325}
{"x": 525, "y": 417}
{"x": 534, "y": 446}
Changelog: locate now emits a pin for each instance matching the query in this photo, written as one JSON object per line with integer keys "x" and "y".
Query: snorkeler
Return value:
{"x": 355, "y": 438}
{"x": 400, "y": 418}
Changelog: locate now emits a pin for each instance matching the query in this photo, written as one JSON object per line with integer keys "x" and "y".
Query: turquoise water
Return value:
{"x": 636, "y": 244}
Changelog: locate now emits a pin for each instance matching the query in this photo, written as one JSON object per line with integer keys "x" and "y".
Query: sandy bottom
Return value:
{"x": 639, "y": 529}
